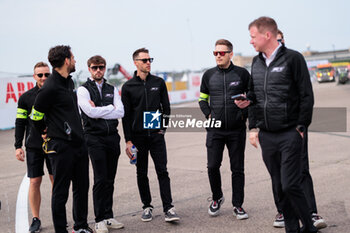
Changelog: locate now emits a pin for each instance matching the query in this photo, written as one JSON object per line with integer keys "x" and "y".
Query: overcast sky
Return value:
{"x": 180, "y": 34}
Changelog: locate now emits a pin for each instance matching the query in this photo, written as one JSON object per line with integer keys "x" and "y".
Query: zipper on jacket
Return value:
{"x": 265, "y": 93}
{"x": 103, "y": 104}
{"x": 144, "y": 84}
{"x": 225, "y": 100}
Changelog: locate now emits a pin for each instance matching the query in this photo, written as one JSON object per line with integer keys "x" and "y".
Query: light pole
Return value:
{"x": 334, "y": 56}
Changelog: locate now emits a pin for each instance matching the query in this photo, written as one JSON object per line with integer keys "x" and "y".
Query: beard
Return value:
{"x": 71, "y": 69}
{"x": 145, "y": 70}
{"x": 97, "y": 77}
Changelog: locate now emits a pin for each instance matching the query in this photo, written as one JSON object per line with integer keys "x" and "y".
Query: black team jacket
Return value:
{"x": 57, "y": 100}
{"x": 216, "y": 91}
{"x": 139, "y": 96}
{"x": 99, "y": 126}
{"x": 24, "y": 124}
{"x": 282, "y": 92}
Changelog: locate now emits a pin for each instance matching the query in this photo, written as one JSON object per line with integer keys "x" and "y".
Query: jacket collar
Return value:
{"x": 138, "y": 77}
{"x": 90, "y": 80}
{"x": 228, "y": 69}
{"x": 60, "y": 77}
{"x": 280, "y": 52}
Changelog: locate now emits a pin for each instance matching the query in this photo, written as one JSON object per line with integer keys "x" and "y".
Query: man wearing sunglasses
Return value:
{"x": 101, "y": 108}
{"x": 219, "y": 85}
{"x": 147, "y": 93}
{"x": 33, "y": 141}
{"x": 66, "y": 148}
{"x": 280, "y": 37}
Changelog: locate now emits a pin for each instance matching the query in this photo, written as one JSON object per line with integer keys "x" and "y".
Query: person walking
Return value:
{"x": 147, "y": 94}
{"x": 283, "y": 100}
{"x": 306, "y": 180}
{"x": 221, "y": 85}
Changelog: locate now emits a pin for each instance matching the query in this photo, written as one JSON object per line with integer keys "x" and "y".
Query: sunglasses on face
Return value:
{"x": 145, "y": 60}
{"x": 94, "y": 68}
{"x": 222, "y": 53}
{"x": 40, "y": 75}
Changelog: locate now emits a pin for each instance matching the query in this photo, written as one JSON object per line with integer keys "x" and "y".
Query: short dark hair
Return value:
{"x": 224, "y": 42}
{"x": 138, "y": 51}
{"x": 97, "y": 59}
{"x": 264, "y": 24}
{"x": 58, "y": 54}
{"x": 40, "y": 64}
{"x": 281, "y": 33}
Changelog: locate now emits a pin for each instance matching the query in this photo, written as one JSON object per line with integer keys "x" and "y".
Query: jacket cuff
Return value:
{"x": 127, "y": 138}
{"x": 252, "y": 126}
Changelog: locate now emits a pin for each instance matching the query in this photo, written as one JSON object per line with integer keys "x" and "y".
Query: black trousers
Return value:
{"x": 281, "y": 153}
{"x": 306, "y": 181}
{"x": 69, "y": 163}
{"x": 104, "y": 153}
{"x": 155, "y": 144}
{"x": 235, "y": 142}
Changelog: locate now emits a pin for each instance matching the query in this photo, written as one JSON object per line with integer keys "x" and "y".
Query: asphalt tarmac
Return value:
{"x": 329, "y": 166}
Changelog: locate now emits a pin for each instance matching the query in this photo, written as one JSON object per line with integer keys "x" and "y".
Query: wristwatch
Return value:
{"x": 301, "y": 128}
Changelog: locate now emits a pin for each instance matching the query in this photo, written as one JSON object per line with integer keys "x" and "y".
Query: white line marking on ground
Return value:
{"x": 22, "y": 224}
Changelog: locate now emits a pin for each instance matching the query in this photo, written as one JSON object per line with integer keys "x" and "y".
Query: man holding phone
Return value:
{"x": 223, "y": 84}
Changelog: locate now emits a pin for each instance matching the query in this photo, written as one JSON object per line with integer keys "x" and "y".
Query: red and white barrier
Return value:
{"x": 10, "y": 91}
{"x": 12, "y": 88}
{"x": 191, "y": 94}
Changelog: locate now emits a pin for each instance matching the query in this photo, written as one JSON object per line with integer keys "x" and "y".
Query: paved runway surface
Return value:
{"x": 329, "y": 162}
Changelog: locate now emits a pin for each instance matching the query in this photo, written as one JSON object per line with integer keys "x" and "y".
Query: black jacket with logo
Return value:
{"x": 139, "y": 96}
{"x": 221, "y": 85}
{"x": 99, "y": 126}
{"x": 282, "y": 92}
{"x": 57, "y": 99}
{"x": 24, "y": 124}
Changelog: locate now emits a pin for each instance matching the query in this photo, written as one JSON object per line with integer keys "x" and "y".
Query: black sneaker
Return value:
{"x": 147, "y": 214}
{"x": 214, "y": 208}
{"x": 36, "y": 226}
{"x": 239, "y": 213}
{"x": 171, "y": 216}
{"x": 279, "y": 221}
{"x": 83, "y": 230}
{"x": 318, "y": 221}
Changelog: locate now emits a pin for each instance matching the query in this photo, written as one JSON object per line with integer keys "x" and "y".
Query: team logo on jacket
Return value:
{"x": 233, "y": 84}
{"x": 278, "y": 69}
{"x": 109, "y": 95}
{"x": 154, "y": 88}
{"x": 151, "y": 120}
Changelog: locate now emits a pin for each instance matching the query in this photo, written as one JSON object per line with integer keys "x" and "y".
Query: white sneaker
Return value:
{"x": 239, "y": 213}
{"x": 83, "y": 230}
{"x": 100, "y": 227}
{"x": 114, "y": 224}
{"x": 147, "y": 214}
{"x": 318, "y": 221}
{"x": 171, "y": 216}
{"x": 214, "y": 208}
{"x": 279, "y": 221}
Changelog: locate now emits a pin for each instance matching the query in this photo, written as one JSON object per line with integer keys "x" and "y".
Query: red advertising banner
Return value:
{"x": 10, "y": 91}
